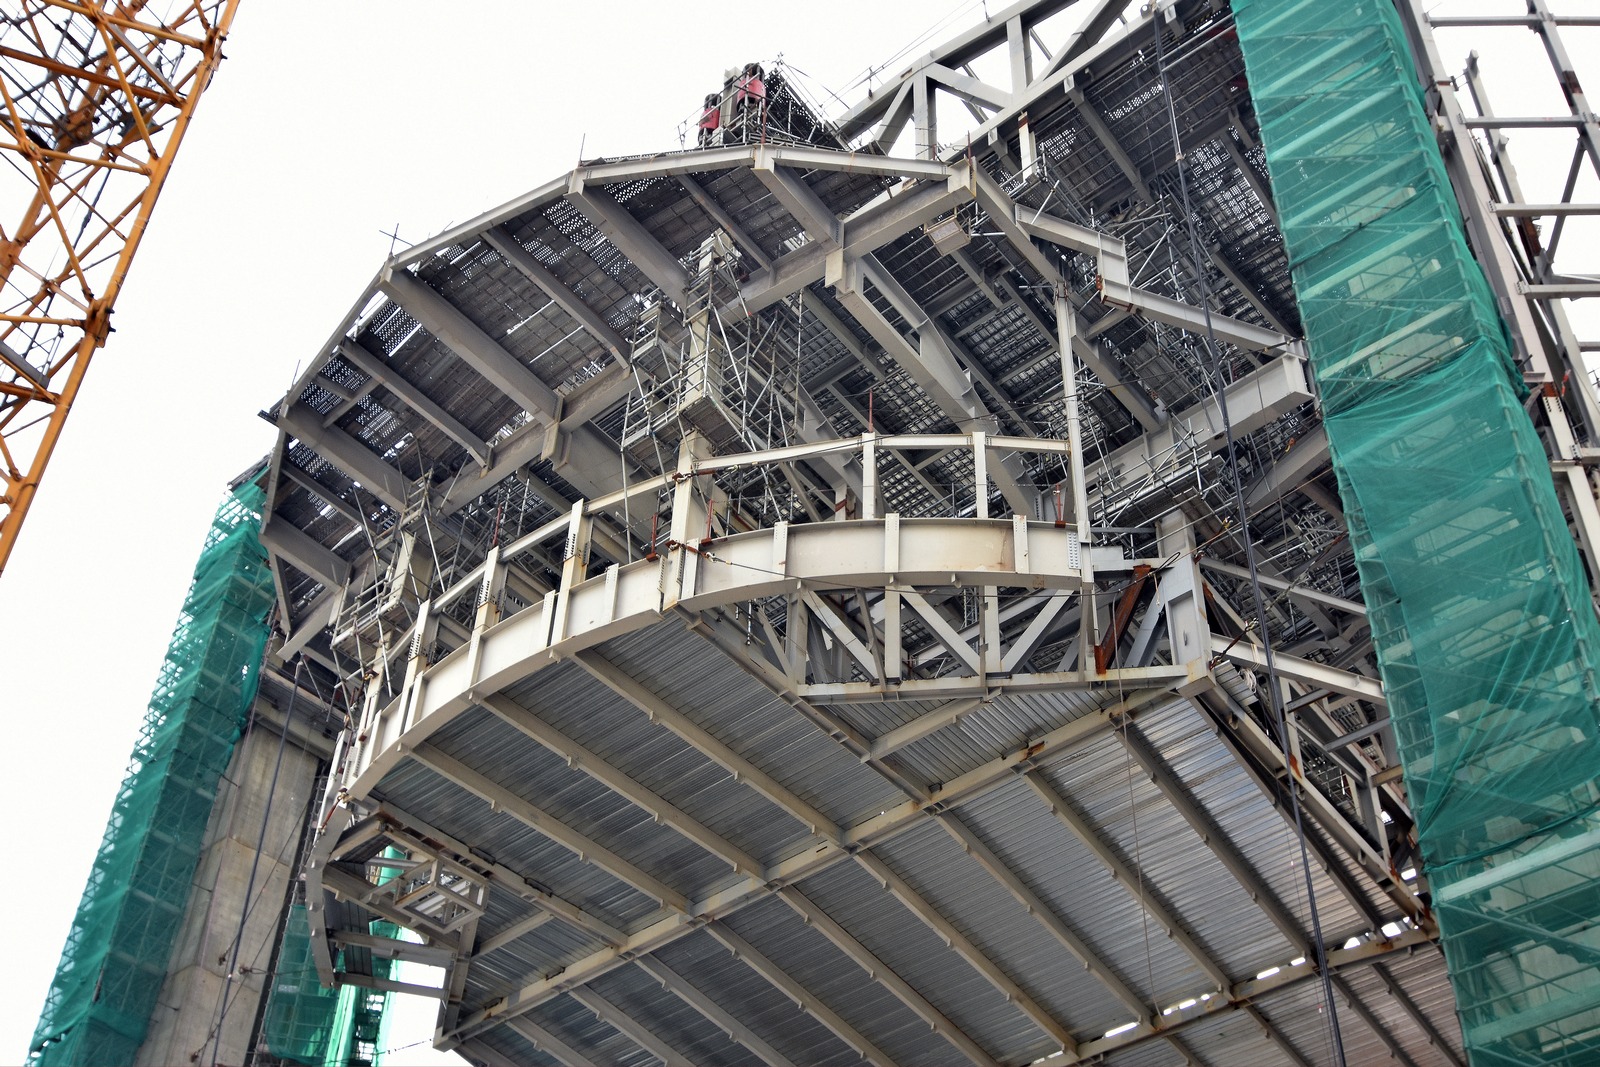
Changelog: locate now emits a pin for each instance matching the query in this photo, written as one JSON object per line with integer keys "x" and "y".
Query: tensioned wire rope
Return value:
{"x": 1258, "y": 598}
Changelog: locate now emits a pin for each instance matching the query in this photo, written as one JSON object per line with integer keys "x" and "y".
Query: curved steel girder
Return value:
{"x": 859, "y": 554}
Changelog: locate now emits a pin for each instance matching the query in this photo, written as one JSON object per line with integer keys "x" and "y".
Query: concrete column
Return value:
{"x": 181, "y": 1025}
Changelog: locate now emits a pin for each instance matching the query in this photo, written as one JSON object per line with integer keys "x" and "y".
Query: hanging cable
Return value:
{"x": 255, "y": 863}
{"x": 1258, "y": 599}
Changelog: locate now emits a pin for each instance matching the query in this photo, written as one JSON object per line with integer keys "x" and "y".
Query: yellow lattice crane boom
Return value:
{"x": 96, "y": 97}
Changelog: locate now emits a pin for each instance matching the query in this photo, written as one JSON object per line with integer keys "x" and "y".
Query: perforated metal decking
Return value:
{"x": 115, "y": 959}
{"x": 1480, "y": 611}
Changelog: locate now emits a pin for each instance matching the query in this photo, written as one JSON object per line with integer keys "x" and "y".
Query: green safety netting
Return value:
{"x": 1480, "y": 608}
{"x": 316, "y": 1026}
{"x": 299, "y": 1023}
{"x": 116, "y": 954}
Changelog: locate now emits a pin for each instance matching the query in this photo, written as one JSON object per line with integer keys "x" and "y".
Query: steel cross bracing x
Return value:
{"x": 988, "y": 385}
{"x": 95, "y": 100}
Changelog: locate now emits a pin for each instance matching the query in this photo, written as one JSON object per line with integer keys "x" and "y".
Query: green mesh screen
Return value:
{"x": 299, "y": 1023}
{"x": 309, "y": 1024}
{"x": 1480, "y": 609}
{"x": 116, "y": 953}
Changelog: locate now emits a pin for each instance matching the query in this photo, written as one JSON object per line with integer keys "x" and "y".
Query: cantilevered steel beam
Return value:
{"x": 515, "y": 932}
{"x": 803, "y": 998}
{"x": 661, "y": 810}
{"x": 363, "y": 360}
{"x": 348, "y": 454}
{"x": 505, "y": 879}
{"x": 1044, "y": 914}
{"x": 1418, "y": 1016}
{"x": 1220, "y": 844}
{"x": 536, "y": 818}
{"x": 626, "y": 686}
{"x": 732, "y": 642}
{"x": 867, "y": 833}
{"x": 1379, "y": 1028}
{"x": 522, "y": 261}
{"x": 881, "y": 973}
{"x": 628, "y": 1027}
{"x": 714, "y": 1013}
{"x": 1130, "y": 879}
{"x": 1320, "y": 675}
{"x": 630, "y": 237}
{"x": 1276, "y": 1036}
{"x": 304, "y": 552}
{"x": 549, "y": 1043}
{"x": 469, "y": 341}
{"x": 963, "y": 946}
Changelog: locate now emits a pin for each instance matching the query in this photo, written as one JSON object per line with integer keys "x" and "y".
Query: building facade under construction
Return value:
{"x": 1086, "y": 556}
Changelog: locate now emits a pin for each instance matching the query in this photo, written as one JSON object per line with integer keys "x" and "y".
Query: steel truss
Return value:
{"x": 937, "y": 727}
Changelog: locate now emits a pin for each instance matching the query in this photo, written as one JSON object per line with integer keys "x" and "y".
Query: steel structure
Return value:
{"x": 794, "y": 609}
{"x": 96, "y": 98}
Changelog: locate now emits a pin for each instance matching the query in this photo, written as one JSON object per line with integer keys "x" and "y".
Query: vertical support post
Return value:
{"x": 689, "y": 518}
{"x": 925, "y": 118}
{"x": 1181, "y": 596}
{"x": 1089, "y": 629}
{"x": 893, "y": 653}
{"x": 869, "y": 476}
{"x": 574, "y": 566}
{"x": 980, "y": 474}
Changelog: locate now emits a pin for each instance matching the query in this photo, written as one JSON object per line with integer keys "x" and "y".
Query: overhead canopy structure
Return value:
{"x": 801, "y": 605}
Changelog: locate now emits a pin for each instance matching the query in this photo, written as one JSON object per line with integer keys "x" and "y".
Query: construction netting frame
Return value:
{"x": 1480, "y": 608}
{"x": 115, "y": 960}
{"x": 314, "y": 1025}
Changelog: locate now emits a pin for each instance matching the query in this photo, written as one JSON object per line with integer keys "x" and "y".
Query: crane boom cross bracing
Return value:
{"x": 95, "y": 98}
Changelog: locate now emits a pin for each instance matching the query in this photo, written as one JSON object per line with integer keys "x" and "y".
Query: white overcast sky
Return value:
{"x": 331, "y": 122}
